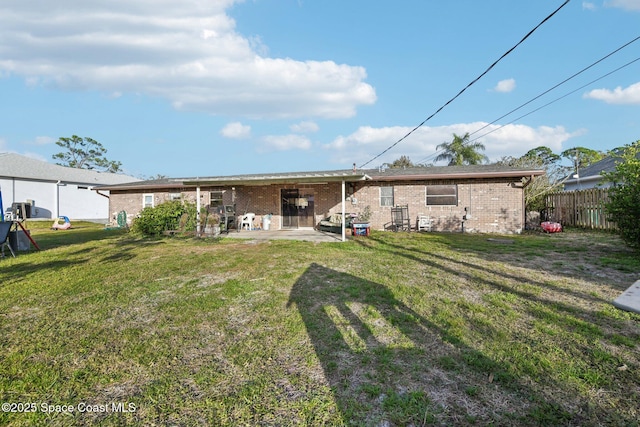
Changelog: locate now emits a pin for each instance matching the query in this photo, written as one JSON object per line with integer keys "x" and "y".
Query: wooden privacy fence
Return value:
{"x": 582, "y": 208}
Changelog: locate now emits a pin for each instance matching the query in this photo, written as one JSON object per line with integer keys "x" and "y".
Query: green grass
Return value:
{"x": 395, "y": 329}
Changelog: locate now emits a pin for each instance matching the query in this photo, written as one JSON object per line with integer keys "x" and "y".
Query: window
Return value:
{"x": 386, "y": 196}
{"x": 175, "y": 196}
{"x": 147, "y": 200}
{"x": 215, "y": 199}
{"x": 442, "y": 195}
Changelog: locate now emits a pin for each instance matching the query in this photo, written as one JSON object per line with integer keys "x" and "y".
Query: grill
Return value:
{"x": 227, "y": 215}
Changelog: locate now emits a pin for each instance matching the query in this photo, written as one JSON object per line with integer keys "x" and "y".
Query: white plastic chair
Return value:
{"x": 247, "y": 220}
{"x": 424, "y": 223}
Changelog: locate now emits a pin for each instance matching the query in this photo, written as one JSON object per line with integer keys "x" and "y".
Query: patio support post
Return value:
{"x": 343, "y": 214}
{"x": 198, "y": 210}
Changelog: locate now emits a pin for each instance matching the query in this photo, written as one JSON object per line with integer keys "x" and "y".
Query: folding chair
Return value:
{"x": 5, "y": 228}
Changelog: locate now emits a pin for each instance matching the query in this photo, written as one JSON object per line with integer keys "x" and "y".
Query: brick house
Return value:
{"x": 491, "y": 196}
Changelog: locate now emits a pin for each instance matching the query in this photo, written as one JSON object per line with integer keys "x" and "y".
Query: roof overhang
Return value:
{"x": 271, "y": 179}
{"x": 583, "y": 180}
{"x": 138, "y": 186}
{"x": 460, "y": 175}
{"x": 240, "y": 180}
{"x": 311, "y": 178}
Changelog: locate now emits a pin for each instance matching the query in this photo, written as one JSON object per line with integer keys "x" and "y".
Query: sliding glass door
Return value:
{"x": 297, "y": 208}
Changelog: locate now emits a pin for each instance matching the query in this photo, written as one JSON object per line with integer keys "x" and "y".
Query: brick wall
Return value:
{"x": 266, "y": 199}
{"x": 494, "y": 206}
{"x": 131, "y": 201}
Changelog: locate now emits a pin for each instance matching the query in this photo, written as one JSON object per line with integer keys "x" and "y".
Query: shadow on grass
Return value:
{"x": 539, "y": 295}
{"x": 467, "y": 270}
{"x": 21, "y": 271}
{"x": 386, "y": 363}
{"x": 114, "y": 247}
{"x": 55, "y": 239}
{"x": 576, "y": 253}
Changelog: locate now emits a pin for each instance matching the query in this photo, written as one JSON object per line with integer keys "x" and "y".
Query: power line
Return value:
{"x": 471, "y": 83}
{"x": 559, "y": 84}
{"x": 555, "y": 100}
{"x": 547, "y": 91}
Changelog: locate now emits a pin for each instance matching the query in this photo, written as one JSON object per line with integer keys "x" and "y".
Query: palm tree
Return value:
{"x": 461, "y": 152}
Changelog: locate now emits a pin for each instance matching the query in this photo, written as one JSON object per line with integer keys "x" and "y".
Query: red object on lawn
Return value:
{"x": 551, "y": 227}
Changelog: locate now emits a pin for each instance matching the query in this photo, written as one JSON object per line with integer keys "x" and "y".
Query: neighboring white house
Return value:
{"x": 591, "y": 176}
{"x": 55, "y": 190}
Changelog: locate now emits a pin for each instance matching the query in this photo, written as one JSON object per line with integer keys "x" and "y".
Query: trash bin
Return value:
{"x": 266, "y": 222}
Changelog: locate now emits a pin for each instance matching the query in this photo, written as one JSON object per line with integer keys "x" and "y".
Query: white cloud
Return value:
{"x": 42, "y": 140}
{"x": 624, "y": 4}
{"x": 285, "y": 142}
{"x": 510, "y": 140}
{"x": 236, "y": 130}
{"x": 187, "y": 52}
{"x": 629, "y": 95}
{"x": 588, "y": 5}
{"x": 305, "y": 127}
{"x": 507, "y": 85}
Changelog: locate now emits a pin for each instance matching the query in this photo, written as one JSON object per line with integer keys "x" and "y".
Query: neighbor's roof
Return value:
{"x": 16, "y": 166}
{"x": 594, "y": 172}
{"x": 348, "y": 175}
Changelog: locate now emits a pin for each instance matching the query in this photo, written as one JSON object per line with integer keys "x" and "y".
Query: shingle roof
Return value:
{"x": 16, "y": 166}
{"x": 595, "y": 170}
{"x": 422, "y": 173}
{"x": 452, "y": 172}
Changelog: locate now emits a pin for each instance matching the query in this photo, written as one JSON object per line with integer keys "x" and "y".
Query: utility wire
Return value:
{"x": 470, "y": 84}
{"x": 555, "y": 100}
{"x": 560, "y": 84}
{"x": 545, "y": 92}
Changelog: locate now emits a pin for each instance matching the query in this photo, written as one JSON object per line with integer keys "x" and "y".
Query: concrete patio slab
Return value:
{"x": 630, "y": 299}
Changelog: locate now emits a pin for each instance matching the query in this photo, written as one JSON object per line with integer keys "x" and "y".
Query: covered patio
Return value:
{"x": 295, "y": 202}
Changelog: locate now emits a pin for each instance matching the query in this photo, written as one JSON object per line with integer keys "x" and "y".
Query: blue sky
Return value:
{"x": 219, "y": 87}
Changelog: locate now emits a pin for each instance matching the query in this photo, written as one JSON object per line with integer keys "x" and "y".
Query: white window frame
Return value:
{"x": 144, "y": 200}
{"x": 386, "y": 197}
{"x": 211, "y": 198}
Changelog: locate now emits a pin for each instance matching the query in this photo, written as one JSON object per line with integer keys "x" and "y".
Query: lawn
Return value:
{"x": 102, "y": 327}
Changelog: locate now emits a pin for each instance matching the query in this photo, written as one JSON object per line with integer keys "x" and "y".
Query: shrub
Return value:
{"x": 164, "y": 217}
{"x": 623, "y": 206}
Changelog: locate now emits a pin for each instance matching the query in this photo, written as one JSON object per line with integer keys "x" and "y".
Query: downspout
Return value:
{"x": 57, "y": 198}
{"x": 524, "y": 203}
{"x": 526, "y": 184}
{"x": 343, "y": 213}
{"x": 103, "y": 195}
